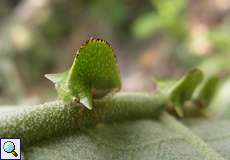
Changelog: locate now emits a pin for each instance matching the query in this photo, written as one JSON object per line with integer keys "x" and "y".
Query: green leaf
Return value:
{"x": 207, "y": 90}
{"x": 143, "y": 139}
{"x": 184, "y": 89}
{"x": 94, "y": 73}
{"x": 215, "y": 132}
{"x": 221, "y": 102}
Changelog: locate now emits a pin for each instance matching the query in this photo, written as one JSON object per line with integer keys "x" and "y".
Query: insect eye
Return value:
{"x": 76, "y": 100}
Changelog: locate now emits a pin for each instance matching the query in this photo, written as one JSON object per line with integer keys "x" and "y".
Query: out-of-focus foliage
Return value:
{"x": 219, "y": 37}
{"x": 168, "y": 17}
{"x": 156, "y": 36}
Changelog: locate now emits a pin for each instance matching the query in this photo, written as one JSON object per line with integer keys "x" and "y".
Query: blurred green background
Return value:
{"x": 161, "y": 38}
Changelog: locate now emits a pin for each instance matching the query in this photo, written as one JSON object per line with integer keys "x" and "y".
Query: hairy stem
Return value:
{"x": 36, "y": 123}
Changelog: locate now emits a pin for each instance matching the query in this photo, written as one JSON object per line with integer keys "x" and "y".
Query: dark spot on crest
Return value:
{"x": 93, "y": 39}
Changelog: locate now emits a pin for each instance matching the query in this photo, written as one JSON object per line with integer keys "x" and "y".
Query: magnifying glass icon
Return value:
{"x": 9, "y": 147}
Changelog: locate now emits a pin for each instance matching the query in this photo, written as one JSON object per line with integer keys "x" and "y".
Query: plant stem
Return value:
{"x": 36, "y": 123}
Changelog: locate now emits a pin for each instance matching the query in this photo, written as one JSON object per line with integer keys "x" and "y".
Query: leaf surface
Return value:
{"x": 143, "y": 139}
